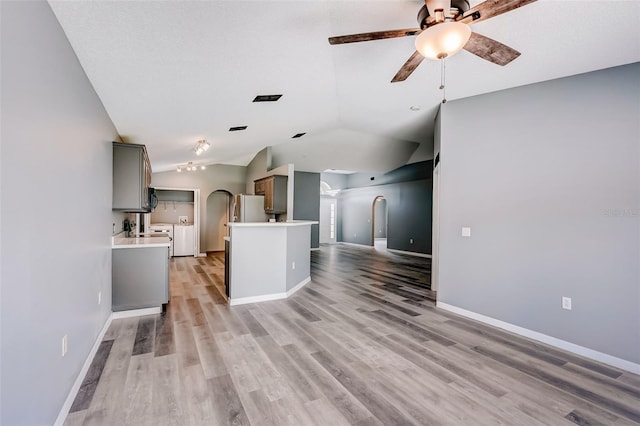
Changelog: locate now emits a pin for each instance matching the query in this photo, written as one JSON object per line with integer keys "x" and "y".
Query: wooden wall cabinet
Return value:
{"x": 131, "y": 178}
{"x": 274, "y": 189}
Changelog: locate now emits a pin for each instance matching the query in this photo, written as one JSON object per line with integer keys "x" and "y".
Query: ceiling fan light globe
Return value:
{"x": 443, "y": 40}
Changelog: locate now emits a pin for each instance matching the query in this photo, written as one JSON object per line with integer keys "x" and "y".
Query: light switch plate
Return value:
{"x": 466, "y": 231}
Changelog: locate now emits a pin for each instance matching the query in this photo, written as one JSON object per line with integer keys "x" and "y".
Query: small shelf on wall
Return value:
{"x": 174, "y": 195}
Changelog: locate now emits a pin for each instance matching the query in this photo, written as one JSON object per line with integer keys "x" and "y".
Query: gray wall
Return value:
{"x": 408, "y": 215}
{"x": 306, "y": 201}
{"x": 550, "y": 187}
{"x": 56, "y": 153}
{"x": 335, "y": 180}
{"x": 215, "y": 177}
{"x": 298, "y": 240}
{"x": 218, "y": 206}
{"x": 258, "y": 261}
{"x": 257, "y": 169}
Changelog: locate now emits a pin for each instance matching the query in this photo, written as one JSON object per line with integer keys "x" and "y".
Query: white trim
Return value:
{"x": 64, "y": 411}
{"x": 553, "y": 341}
{"x": 202, "y": 254}
{"x": 315, "y": 248}
{"x": 256, "y": 299}
{"x": 136, "y": 312}
{"x": 411, "y": 253}
{"x": 353, "y": 244}
{"x": 272, "y": 224}
{"x": 268, "y": 297}
{"x": 298, "y": 286}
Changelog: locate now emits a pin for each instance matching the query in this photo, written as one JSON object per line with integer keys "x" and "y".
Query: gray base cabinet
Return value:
{"x": 140, "y": 278}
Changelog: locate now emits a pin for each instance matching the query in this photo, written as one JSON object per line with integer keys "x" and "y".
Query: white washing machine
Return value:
{"x": 166, "y": 228}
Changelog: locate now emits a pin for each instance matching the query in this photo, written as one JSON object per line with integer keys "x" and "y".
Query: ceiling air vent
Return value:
{"x": 235, "y": 129}
{"x": 298, "y": 135}
{"x": 267, "y": 98}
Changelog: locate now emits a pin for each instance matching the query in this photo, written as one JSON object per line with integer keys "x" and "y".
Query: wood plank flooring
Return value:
{"x": 361, "y": 344}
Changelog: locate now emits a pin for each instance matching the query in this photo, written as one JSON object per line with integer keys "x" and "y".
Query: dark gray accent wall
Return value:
{"x": 409, "y": 208}
{"x": 56, "y": 214}
{"x": 306, "y": 201}
{"x": 548, "y": 178}
{"x": 406, "y": 173}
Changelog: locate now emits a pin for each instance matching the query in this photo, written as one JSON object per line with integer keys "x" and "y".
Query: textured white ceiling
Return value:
{"x": 172, "y": 72}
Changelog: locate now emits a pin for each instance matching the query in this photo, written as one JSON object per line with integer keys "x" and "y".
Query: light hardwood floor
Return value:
{"x": 361, "y": 344}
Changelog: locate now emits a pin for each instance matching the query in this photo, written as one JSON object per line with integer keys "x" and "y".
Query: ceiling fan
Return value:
{"x": 444, "y": 30}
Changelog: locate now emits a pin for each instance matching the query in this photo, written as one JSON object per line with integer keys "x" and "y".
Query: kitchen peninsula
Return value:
{"x": 268, "y": 260}
{"x": 140, "y": 273}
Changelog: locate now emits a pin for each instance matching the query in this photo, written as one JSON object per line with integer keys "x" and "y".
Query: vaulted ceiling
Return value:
{"x": 172, "y": 72}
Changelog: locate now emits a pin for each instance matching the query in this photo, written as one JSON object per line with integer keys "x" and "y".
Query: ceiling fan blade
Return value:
{"x": 378, "y": 35}
{"x": 408, "y": 67}
{"x": 490, "y": 8}
{"x": 491, "y": 50}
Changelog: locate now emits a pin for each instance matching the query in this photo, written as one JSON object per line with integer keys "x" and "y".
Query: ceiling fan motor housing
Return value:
{"x": 425, "y": 20}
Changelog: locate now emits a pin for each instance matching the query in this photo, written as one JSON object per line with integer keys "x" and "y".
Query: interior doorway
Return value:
{"x": 379, "y": 223}
{"x": 218, "y": 214}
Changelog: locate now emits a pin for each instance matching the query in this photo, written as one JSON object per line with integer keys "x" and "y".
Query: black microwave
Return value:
{"x": 153, "y": 199}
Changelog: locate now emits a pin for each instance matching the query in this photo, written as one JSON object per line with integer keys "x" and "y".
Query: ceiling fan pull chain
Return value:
{"x": 442, "y": 81}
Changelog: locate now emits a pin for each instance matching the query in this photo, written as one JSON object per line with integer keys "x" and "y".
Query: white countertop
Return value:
{"x": 272, "y": 224}
{"x": 139, "y": 242}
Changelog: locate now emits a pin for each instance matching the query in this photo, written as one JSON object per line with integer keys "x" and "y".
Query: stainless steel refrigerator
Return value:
{"x": 249, "y": 208}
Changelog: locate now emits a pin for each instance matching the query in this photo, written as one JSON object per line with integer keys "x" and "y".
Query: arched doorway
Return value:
{"x": 218, "y": 213}
{"x": 379, "y": 222}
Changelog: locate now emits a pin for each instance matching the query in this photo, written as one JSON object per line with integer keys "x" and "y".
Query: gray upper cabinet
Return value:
{"x": 274, "y": 189}
{"x": 131, "y": 177}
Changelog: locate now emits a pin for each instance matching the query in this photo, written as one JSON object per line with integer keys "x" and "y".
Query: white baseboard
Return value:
{"x": 355, "y": 244}
{"x": 411, "y": 253}
{"x": 62, "y": 415}
{"x": 298, "y": 286}
{"x": 268, "y": 297}
{"x": 136, "y": 312}
{"x": 553, "y": 341}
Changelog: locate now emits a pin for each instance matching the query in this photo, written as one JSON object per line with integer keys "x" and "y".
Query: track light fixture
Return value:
{"x": 190, "y": 167}
{"x": 201, "y": 146}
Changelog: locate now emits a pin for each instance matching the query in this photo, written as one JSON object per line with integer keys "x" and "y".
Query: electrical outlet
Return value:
{"x": 65, "y": 344}
{"x": 566, "y": 303}
{"x": 99, "y": 297}
{"x": 466, "y": 231}
{"x": 293, "y": 265}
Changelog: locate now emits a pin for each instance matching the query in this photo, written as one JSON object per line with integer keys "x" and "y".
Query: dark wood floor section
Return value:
{"x": 362, "y": 344}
